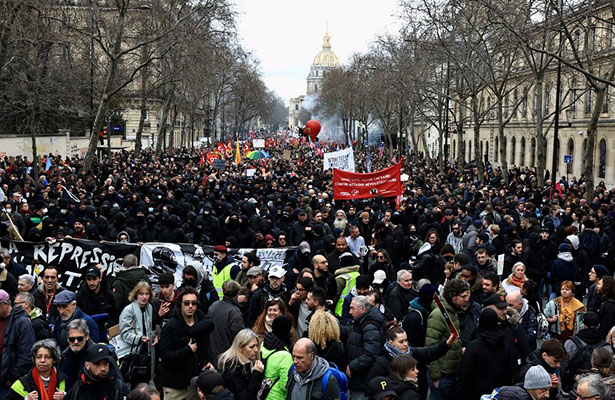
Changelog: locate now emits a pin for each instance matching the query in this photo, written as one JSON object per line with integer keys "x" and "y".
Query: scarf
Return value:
{"x": 513, "y": 280}
{"x": 40, "y": 386}
{"x": 567, "y": 313}
{"x": 268, "y": 323}
{"x": 394, "y": 351}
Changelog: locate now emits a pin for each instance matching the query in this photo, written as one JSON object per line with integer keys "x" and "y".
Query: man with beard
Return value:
{"x": 94, "y": 297}
{"x": 46, "y": 292}
{"x": 325, "y": 279}
{"x": 100, "y": 379}
{"x": 73, "y": 357}
{"x": 341, "y": 247}
{"x": 515, "y": 256}
{"x": 484, "y": 265}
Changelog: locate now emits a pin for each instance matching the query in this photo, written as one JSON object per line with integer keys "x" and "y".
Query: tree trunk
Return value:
{"x": 460, "y": 143}
{"x": 35, "y": 162}
{"x": 592, "y": 126}
{"x": 104, "y": 98}
{"x": 503, "y": 148}
{"x": 163, "y": 122}
{"x": 541, "y": 139}
{"x": 143, "y": 105}
{"x": 476, "y": 129}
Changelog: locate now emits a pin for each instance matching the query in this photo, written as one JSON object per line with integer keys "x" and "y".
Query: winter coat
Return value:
{"x": 59, "y": 327}
{"x": 398, "y": 300}
{"x": 334, "y": 353}
{"x": 279, "y": 360}
{"x": 514, "y": 393}
{"x": 437, "y": 329}
{"x": 587, "y": 337}
{"x": 102, "y": 302}
{"x": 72, "y": 363}
{"x": 242, "y": 381}
{"x": 468, "y": 321}
{"x": 365, "y": 340}
{"x": 124, "y": 282}
{"x": 563, "y": 268}
{"x": 529, "y": 322}
{"x": 415, "y": 324}
{"x": 308, "y": 386}
{"x": 16, "y": 345}
{"x": 88, "y": 388}
{"x": 607, "y": 317}
{"x": 260, "y": 298}
{"x": 405, "y": 390}
{"x": 8, "y": 282}
{"x": 593, "y": 300}
{"x": 429, "y": 265}
{"x": 535, "y": 358}
{"x": 131, "y": 329}
{"x": 552, "y": 309}
{"x": 40, "y": 300}
{"x": 41, "y": 329}
{"x": 487, "y": 364}
{"x": 424, "y": 355}
{"x": 179, "y": 363}
{"x": 228, "y": 320}
{"x": 24, "y": 385}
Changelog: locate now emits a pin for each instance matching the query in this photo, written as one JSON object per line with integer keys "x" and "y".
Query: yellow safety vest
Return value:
{"x": 221, "y": 277}
{"x": 351, "y": 282}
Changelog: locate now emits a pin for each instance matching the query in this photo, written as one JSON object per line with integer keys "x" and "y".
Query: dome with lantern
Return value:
{"x": 324, "y": 61}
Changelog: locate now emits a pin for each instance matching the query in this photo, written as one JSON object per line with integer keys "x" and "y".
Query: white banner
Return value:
{"x": 258, "y": 143}
{"x": 342, "y": 159}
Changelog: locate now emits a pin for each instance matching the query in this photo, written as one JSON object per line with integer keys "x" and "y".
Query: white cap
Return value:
{"x": 379, "y": 277}
{"x": 277, "y": 272}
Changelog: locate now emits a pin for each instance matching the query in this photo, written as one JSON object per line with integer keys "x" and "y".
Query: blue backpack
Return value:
{"x": 340, "y": 377}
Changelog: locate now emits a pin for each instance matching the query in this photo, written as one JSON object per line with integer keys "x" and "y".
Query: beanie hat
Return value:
{"x": 281, "y": 328}
{"x": 563, "y": 247}
{"x": 426, "y": 295}
{"x": 363, "y": 215}
{"x": 362, "y": 282}
{"x": 488, "y": 320}
{"x": 601, "y": 270}
{"x": 347, "y": 260}
{"x": 537, "y": 378}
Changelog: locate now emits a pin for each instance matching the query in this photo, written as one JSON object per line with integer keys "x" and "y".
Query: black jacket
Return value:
{"x": 607, "y": 317}
{"x": 30, "y": 386}
{"x": 242, "y": 382}
{"x": 415, "y": 324}
{"x": 87, "y": 388}
{"x": 535, "y": 358}
{"x": 423, "y": 355}
{"x": 101, "y": 303}
{"x": 487, "y": 363}
{"x": 406, "y": 390}
{"x": 334, "y": 353}
{"x": 365, "y": 340}
{"x": 179, "y": 363}
{"x": 260, "y": 298}
{"x": 398, "y": 300}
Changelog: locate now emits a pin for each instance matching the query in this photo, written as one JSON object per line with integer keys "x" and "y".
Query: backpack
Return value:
{"x": 543, "y": 325}
{"x": 580, "y": 362}
{"x": 492, "y": 396}
{"x": 340, "y": 377}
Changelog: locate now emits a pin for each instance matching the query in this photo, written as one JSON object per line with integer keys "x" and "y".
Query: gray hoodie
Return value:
{"x": 304, "y": 381}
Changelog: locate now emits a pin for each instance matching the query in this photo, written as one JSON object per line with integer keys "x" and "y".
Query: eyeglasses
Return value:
{"x": 76, "y": 339}
{"x": 190, "y": 303}
{"x": 380, "y": 258}
{"x": 586, "y": 397}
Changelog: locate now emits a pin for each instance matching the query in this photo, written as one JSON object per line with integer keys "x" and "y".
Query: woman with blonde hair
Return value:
{"x": 324, "y": 331}
{"x": 240, "y": 367}
{"x": 136, "y": 329}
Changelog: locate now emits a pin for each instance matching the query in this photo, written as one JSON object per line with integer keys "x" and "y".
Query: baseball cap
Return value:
{"x": 277, "y": 272}
{"x": 207, "y": 381}
{"x": 92, "y": 271}
{"x": 380, "y": 387}
{"x": 4, "y": 296}
{"x": 98, "y": 352}
{"x": 304, "y": 247}
{"x": 64, "y": 297}
{"x": 254, "y": 271}
{"x": 379, "y": 277}
{"x": 497, "y": 300}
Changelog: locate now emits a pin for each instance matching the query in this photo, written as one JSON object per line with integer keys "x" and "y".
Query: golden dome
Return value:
{"x": 326, "y": 57}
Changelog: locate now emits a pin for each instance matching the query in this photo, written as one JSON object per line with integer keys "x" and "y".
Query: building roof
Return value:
{"x": 325, "y": 57}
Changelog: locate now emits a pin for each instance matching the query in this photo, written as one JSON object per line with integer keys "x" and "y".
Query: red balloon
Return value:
{"x": 312, "y": 128}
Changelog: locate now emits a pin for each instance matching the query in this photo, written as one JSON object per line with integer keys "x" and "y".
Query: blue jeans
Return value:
{"x": 446, "y": 388}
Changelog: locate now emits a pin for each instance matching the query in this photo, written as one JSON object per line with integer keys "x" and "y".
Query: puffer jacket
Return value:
{"x": 16, "y": 345}
{"x": 24, "y": 385}
{"x": 437, "y": 329}
{"x": 278, "y": 360}
{"x": 365, "y": 340}
{"x": 564, "y": 268}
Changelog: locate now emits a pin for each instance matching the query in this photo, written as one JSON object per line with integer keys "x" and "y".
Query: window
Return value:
{"x": 533, "y": 155}
{"x": 547, "y": 98}
{"x": 522, "y": 161}
{"x": 570, "y": 152}
{"x": 588, "y": 101}
{"x": 605, "y": 105}
{"x": 496, "y": 151}
{"x": 514, "y": 149}
{"x": 602, "y": 159}
{"x": 573, "y": 94}
{"x": 515, "y": 101}
{"x": 524, "y": 107}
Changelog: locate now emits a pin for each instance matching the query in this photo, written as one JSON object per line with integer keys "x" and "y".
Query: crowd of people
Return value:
{"x": 524, "y": 274}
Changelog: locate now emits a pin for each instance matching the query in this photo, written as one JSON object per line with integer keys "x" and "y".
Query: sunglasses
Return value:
{"x": 76, "y": 339}
{"x": 189, "y": 303}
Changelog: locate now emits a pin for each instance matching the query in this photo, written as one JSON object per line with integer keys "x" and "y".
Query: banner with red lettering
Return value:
{"x": 350, "y": 185}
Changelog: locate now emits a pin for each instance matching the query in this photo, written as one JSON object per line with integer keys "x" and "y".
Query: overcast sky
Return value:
{"x": 285, "y": 35}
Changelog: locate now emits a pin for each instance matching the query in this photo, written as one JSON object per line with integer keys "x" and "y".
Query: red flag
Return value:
{"x": 299, "y": 163}
{"x": 246, "y": 147}
{"x": 350, "y": 185}
{"x": 202, "y": 161}
{"x": 204, "y": 180}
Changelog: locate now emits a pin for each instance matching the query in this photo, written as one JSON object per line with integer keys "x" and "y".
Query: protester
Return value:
{"x": 73, "y": 357}
{"x": 240, "y": 367}
{"x": 564, "y": 313}
{"x": 226, "y": 317}
{"x": 67, "y": 309}
{"x": 275, "y": 353}
{"x": 306, "y": 380}
{"x": 25, "y": 300}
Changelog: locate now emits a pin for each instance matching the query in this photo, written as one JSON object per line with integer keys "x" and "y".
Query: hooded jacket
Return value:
{"x": 308, "y": 385}
{"x": 529, "y": 323}
{"x": 260, "y": 298}
{"x": 429, "y": 265}
{"x": 124, "y": 282}
{"x": 278, "y": 363}
{"x": 415, "y": 323}
{"x": 365, "y": 340}
{"x": 16, "y": 345}
{"x": 227, "y": 317}
{"x": 88, "y": 388}
{"x": 564, "y": 268}
{"x": 587, "y": 337}
{"x": 406, "y": 390}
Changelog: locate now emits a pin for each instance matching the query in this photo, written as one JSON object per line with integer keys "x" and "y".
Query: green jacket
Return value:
{"x": 124, "y": 282}
{"x": 277, "y": 366}
{"x": 437, "y": 329}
